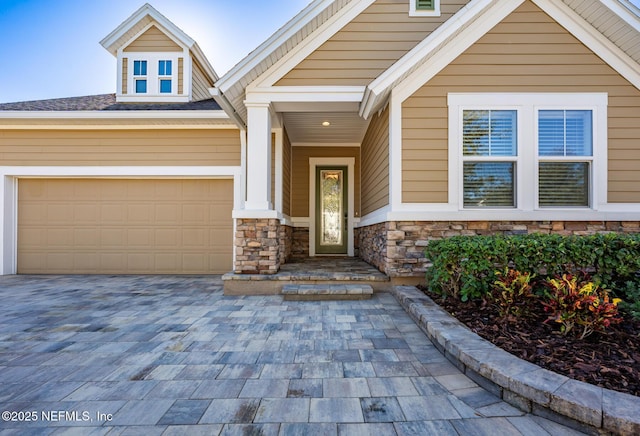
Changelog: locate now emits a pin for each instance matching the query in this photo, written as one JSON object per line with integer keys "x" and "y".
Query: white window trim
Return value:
{"x": 415, "y": 12}
{"x": 153, "y": 93}
{"x": 153, "y": 77}
{"x": 528, "y": 106}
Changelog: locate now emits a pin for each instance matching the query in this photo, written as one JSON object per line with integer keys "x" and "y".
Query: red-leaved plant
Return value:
{"x": 513, "y": 295}
{"x": 575, "y": 302}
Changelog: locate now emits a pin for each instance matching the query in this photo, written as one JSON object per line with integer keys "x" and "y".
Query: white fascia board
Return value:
{"x": 228, "y": 108}
{"x": 593, "y": 39}
{"x": 626, "y": 10}
{"x": 108, "y": 41}
{"x": 303, "y": 94}
{"x": 265, "y": 49}
{"x": 380, "y": 86}
{"x": 110, "y": 115}
{"x": 311, "y": 43}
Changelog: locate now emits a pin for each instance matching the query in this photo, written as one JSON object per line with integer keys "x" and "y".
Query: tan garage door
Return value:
{"x": 112, "y": 226}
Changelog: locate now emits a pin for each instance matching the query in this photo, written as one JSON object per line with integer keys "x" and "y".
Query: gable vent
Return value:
{"x": 425, "y": 4}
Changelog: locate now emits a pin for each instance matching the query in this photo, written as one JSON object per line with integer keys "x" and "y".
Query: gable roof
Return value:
{"x": 231, "y": 87}
{"x": 604, "y": 26}
{"x": 610, "y": 28}
{"x": 125, "y": 32}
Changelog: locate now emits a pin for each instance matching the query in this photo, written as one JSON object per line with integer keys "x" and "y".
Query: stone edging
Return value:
{"x": 532, "y": 389}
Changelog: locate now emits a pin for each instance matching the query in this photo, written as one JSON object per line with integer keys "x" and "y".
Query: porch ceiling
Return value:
{"x": 306, "y": 127}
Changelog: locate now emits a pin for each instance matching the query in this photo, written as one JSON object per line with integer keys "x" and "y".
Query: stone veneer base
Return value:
{"x": 576, "y": 404}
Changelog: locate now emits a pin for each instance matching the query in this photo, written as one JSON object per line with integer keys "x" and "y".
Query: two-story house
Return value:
{"x": 361, "y": 128}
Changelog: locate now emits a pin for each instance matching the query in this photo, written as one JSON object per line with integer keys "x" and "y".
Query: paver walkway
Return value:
{"x": 173, "y": 355}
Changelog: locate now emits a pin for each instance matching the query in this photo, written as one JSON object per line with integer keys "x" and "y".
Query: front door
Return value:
{"x": 331, "y": 210}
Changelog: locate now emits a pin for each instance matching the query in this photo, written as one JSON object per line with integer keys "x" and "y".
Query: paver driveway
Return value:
{"x": 173, "y": 355}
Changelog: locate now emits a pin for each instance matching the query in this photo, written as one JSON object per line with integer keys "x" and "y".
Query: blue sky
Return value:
{"x": 50, "y": 48}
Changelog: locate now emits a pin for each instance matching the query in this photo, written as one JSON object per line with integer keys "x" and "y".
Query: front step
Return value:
{"x": 318, "y": 292}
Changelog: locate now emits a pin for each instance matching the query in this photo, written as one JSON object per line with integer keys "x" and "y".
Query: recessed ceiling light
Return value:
{"x": 326, "y": 123}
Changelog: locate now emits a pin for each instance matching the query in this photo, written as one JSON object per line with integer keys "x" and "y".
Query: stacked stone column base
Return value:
{"x": 258, "y": 246}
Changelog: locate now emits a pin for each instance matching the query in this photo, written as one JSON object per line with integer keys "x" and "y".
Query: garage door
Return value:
{"x": 105, "y": 226}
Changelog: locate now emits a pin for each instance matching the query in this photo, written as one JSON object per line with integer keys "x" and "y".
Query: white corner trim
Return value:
{"x": 593, "y": 39}
{"x": 278, "y": 146}
{"x": 395, "y": 151}
{"x": 312, "y": 42}
{"x": 8, "y": 225}
{"x": 349, "y": 162}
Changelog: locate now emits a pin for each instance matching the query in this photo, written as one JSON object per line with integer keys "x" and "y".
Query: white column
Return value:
{"x": 258, "y": 156}
{"x": 8, "y": 215}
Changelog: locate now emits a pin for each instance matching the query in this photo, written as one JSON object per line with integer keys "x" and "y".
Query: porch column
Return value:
{"x": 258, "y": 156}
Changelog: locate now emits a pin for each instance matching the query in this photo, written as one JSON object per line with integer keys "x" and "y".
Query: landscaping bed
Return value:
{"x": 569, "y": 304}
{"x": 610, "y": 360}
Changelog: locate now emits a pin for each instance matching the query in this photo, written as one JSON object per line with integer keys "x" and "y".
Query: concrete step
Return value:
{"x": 318, "y": 292}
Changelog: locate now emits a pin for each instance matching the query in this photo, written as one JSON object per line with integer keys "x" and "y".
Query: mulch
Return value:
{"x": 610, "y": 360}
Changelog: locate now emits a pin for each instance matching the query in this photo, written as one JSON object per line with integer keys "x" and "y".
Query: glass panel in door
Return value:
{"x": 331, "y": 210}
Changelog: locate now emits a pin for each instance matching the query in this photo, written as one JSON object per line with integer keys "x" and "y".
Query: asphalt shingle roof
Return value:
{"x": 104, "y": 102}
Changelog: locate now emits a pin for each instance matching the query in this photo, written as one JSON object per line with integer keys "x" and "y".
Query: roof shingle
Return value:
{"x": 104, "y": 102}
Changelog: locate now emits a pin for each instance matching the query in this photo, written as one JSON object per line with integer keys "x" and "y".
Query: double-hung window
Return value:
{"x": 164, "y": 76}
{"x": 528, "y": 151}
{"x": 565, "y": 153}
{"x": 489, "y": 150}
{"x": 140, "y": 76}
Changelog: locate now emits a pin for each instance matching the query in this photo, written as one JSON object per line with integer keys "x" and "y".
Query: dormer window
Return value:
{"x": 153, "y": 75}
{"x": 140, "y": 76}
{"x": 424, "y": 8}
{"x": 164, "y": 75}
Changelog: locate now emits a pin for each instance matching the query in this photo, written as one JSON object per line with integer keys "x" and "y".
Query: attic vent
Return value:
{"x": 424, "y": 8}
{"x": 425, "y": 5}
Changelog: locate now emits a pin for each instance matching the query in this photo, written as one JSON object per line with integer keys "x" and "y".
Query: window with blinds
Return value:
{"x": 565, "y": 153}
{"x": 489, "y": 151}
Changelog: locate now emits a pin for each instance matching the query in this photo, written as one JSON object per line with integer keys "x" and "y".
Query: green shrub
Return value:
{"x": 463, "y": 266}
